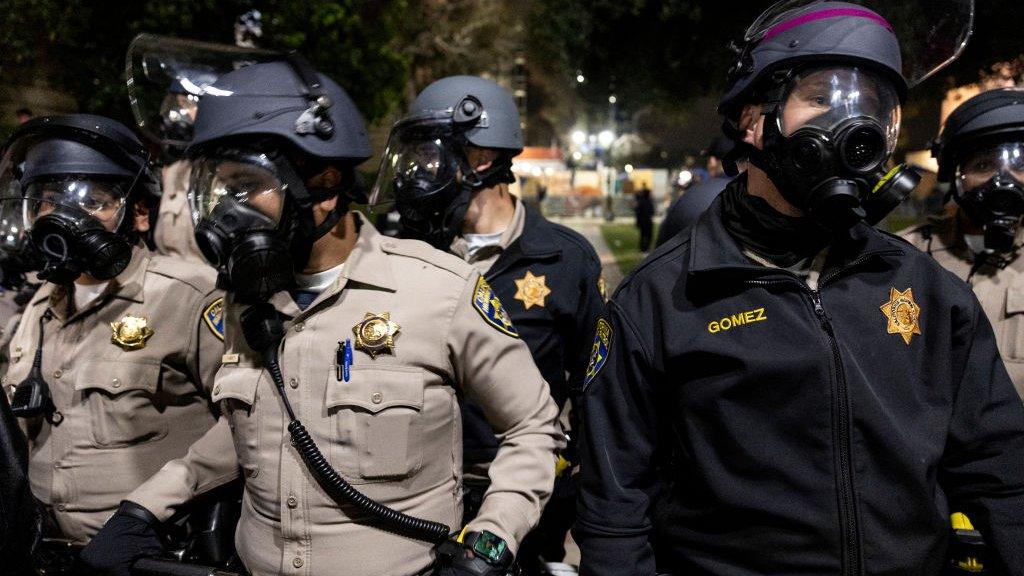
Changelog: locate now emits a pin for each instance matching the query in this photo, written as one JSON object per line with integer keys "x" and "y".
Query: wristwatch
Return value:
{"x": 489, "y": 547}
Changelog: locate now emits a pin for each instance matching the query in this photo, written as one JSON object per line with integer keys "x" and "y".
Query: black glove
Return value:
{"x": 129, "y": 535}
{"x": 463, "y": 565}
{"x": 458, "y": 560}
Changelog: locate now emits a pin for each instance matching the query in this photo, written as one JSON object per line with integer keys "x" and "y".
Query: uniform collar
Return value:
{"x": 713, "y": 251}
{"x": 366, "y": 265}
{"x": 128, "y": 285}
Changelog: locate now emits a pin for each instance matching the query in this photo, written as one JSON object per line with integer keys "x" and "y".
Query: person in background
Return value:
{"x": 682, "y": 214}
{"x": 23, "y": 114}
{"x": 644, "y": 210}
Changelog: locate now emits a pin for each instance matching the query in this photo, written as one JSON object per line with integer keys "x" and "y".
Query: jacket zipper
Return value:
{"x": 851, "y": 556}
{"x": 841, "y": 439}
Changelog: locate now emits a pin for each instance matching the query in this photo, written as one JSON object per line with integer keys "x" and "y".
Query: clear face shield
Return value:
{"x": 246, "y": 178}
{"x": 990, "y": 189}
{"x": 418, "y": 164}
{"x": 167, "y": 76}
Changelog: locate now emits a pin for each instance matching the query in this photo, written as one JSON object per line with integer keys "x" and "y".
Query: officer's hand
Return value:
{"x": 129, "y": 535}
{"x": 468, "y": 564}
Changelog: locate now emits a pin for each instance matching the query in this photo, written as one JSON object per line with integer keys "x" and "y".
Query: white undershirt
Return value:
{"x": 318, "y": 281}
{"x": 86, "y": 293}
{"x": 975, "y": 242}
{"x": 475, "y": 242}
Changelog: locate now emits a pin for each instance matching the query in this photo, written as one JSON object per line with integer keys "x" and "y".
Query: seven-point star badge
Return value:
{"x": 903, "y": 314}
{"x": 531, "y": 290}
{"x": 376, "y": 334}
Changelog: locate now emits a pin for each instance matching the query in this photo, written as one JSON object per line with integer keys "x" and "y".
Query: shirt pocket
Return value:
{"x": 375, "y": 421}
{"x": 235, "y": 390}
{"x": 119, "y": 395}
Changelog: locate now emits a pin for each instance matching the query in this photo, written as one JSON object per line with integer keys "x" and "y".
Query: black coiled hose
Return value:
{"x": 261, "y": 327}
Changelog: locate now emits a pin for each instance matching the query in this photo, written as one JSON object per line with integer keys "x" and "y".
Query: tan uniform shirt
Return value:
{"x": 125, "y": 411}
{"x": 485, "y": 257}
{"x": 174, "y": 234}
{"x": 393, "y": 430}
{"x": 1001, "y": 292}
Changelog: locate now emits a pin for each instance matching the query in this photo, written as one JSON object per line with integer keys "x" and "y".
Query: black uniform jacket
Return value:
{"x": 743, "y": 423}
{"x": 559, "y": 333}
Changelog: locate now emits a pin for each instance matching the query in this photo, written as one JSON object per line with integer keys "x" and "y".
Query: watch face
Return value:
{"x": 489, "y": 546}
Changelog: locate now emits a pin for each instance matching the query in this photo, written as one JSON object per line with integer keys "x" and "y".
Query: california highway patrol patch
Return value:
{"x": 214, "y": 317}
{"x": 487, "y": 304}
{"x": 599, "y": 352}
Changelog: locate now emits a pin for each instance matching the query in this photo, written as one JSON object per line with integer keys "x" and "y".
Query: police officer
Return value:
{"x": 788, "y": 390}
{"x": 981, "y": 163}
{"x": 111, "y": 362}
{"x": 547, "y": 275}
{"x": 173, "y": 233}
{"x": 344, "y": 418}
{"x": 684, "y": 211}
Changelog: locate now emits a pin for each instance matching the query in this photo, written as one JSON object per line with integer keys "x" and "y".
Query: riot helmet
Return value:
{"x": 981, "y": 162}
{"x": 76, "y": 179}
{"x": 260, "y": 132}
{"x": 830, "y": 78}
{"x": 425, "y": 173}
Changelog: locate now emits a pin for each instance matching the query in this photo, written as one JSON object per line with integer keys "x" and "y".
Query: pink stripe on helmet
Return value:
{"x": 823, "y": 14}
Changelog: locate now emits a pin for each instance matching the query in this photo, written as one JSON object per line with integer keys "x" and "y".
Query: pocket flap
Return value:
{"x": 238, "y": 382}
{"x": 1015, "y": 298}
{"x": 117, "y": 376}
{"x": 374, "y": 389}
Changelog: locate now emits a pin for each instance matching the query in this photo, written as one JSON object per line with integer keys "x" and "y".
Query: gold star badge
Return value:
{"x": 376, "y": 334}
{"x": 131, "y": 332}
{"x": 903, "y": 314}
{"x": 531, "y": 290}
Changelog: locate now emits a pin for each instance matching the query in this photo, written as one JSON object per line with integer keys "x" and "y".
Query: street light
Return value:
{"x": 579, "y": 137}
{"x": 612, "y": 99}
{"x": 580, "y": 78}
{"x": 628, "y": 168}
{"x": 605, "y": 138}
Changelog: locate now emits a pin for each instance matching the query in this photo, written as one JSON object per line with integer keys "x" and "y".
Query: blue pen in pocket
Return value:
{"x": 346, "y": 372}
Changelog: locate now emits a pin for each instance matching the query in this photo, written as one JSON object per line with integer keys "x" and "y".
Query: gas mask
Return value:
{"x": 426, "y": 177}
{"x": 177, "y": 119}
{"x": 990, "y": 189}
{"x": 828, "y": 133}
{"x": 254, "y": 220}
{"x": 73, "y": 222}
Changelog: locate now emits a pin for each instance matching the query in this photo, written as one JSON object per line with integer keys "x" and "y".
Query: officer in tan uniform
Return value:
{"x": 381, "y": 337}
{"x": 110, "y": 364}
{"x": 981, "y": 159}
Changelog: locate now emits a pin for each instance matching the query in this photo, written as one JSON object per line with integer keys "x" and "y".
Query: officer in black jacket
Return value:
{"x": 448, "y": 175}
{"x": 788, "y": 390}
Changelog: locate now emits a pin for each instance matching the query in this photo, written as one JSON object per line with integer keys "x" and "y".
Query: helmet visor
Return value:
{"x": 250, "y": 178}
{"x": 417, "y": 161}
{"x": 981, "y": 166}
{"x": 825, "y": 98}
{"x": 103, "y": 199}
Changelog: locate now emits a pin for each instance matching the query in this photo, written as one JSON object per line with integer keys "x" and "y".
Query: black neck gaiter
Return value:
{"x": 784, "y": 240}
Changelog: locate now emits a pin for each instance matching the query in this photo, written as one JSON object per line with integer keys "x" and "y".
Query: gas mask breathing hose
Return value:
{"x": 263, "y": 331}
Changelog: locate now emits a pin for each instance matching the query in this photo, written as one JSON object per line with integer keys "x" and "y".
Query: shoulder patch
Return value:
{"x": 487, "y": 304}
{"x": 422, "y": 251}
{"x": 213, "y": 315}
{"x": 599, "y": 352}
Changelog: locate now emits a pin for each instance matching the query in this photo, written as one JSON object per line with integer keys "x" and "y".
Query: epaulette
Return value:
{"x": 427, "y": 253}
{"x": 199, "y": 276}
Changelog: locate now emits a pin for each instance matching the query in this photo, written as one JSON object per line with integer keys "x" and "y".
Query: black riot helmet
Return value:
{"x": 830, "y": 78}
{"x": 76, "y": 179}
{"x": 425, "y": 174}
{"x": 259, "y": 133}
{"x": 981, "y": 161}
